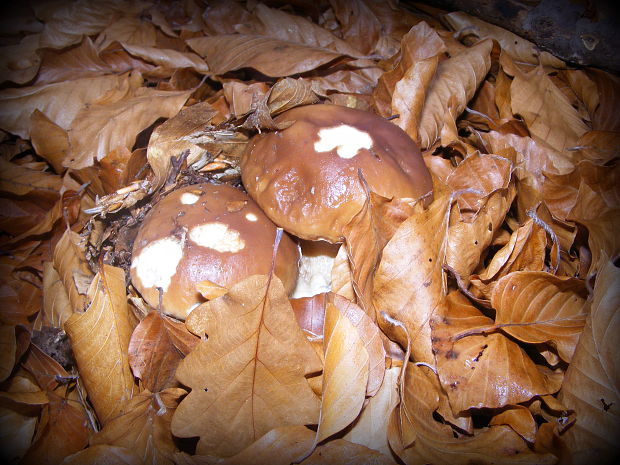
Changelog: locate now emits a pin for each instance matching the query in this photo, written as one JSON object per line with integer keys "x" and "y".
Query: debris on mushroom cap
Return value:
{"x": 306, "y": 177}
{"x": 205, "y": 232}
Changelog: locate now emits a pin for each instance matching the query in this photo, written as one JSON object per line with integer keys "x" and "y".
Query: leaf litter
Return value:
{"x": 481, "y": 326}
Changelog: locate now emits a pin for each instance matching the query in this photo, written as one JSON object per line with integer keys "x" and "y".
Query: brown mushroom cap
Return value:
{"x": 306, "y": 179}
{"x": 205, "y": 232}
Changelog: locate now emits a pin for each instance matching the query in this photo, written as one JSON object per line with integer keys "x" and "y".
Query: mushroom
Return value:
{"x": 205, "y": 232}
{"x": 306, "y": 177}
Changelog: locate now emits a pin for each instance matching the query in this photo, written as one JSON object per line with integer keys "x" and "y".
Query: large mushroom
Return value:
{"x": 307, "y": 177}
{"x": 205, "y": 232}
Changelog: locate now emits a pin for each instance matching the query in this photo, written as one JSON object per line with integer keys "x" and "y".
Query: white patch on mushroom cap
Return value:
{"x": 251, "y": 217}
{"x": 346, "y": 139}
{"x": 157, "y": 262}
{"x": 189, "y": 198}
{"x": 217, "y": 236}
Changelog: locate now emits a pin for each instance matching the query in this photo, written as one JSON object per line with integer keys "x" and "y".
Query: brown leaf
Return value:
{"x": 342, "y": 282}
{"x": 272, "y": 57}
{"x": 590, "y": 386}
{"x": 153, "y": 356}
{"x": 49, "y": 140}
{"x": 60, "y": 102}
{"x": 436, "y": 442}
{"x": 243, "y": 98}
{"x": 298, "y": 30}
{"x": 46, "y": 371}
{"x": 144, "y": 428}
{"x": 584, "y": 88}
{"x": 549, "y": 116}
{"x": 248, "y": 376}
{"x": 288, "y": 93}
{"x": 104, "y": 455}
{"x": 523, "y": 50}
{"x": 599, "y": 146}
{"x": 280, "y": 446}
{"x": 410, "y": 276}
{"x": 101, "y": 128}
{"x": 64, "y": 432}
{"x": 100, "y": 338}
{"x": 18, "y": 429}
{"x": 56, "y": 304}
{"x": 601, "y": 235}
{"x": 190, "y": 130}
{"x": 21, "y": 180}
{"x": 344, "y": 452}
{"x": 20, "y": 62}
{"x": 537, "y": 307}
{"x": 210, "y": 290}
{"x": 8, "y": 347}
{"x": 358, "y": 24}
{"x": 606, "y": 117}
{"x": 480, "y": 371}
{"x": 454, "y": 84}
{"x": 127, "y": 29}
{"x": 70, "y": 262}
{"x": 168, "y": 58}
{"x": 371, "y": 428}
{"x": 520, "y": 420}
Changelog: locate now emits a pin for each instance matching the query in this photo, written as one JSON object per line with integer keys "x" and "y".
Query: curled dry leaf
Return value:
{"x": 599, "y": 146}
{"x": 153, "y": 355}
{"x": 342, "y": 282}
{"x": 101, "y": 128}
{"x": 454, "y": 84}
{"x": 280, "y": 446}
{"x": 410, "y": 276}
{"x": 480, "y": 370}
{"x": 520, "y": 419}
{"x": 522, "y": 50}
{"x": 56, "y": 305}
{"x": 538, "y": 307}
{"x": 606, "y": 117}
{"x": 549, "y": 116}
{"x": 144, "y": 428}
{"x": 345, "y": 374}
{"x": 70, "y": 262}
{"x": 371, "y": 428}
{"x": 100, "y": 339}
{"x": 288, "y": 93}
{"x": 168, "y": 58}
{"x": 248, "y": 377}
{"x": 60, "y": 102}
{"x": 435, "y": 442}
{"x": 590, "y": 386}
{"x": 272, "y": 57}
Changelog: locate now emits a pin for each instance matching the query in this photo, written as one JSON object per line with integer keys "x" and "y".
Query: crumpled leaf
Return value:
{"x": 249, "y": 375}
{"x": 454, "y": 84}
{"x": 521, "y": 49}
{"x": 153, "y": 355}
{"x": 101, "y": 128}
{"x": 479, "y": 371}
{"x": 100, "y": 338}
{"x": 549, "y": 116}
{"x": 435, "y": 442}
{"x": 520, "y": 419}
{"x": 144, "y": 428}
{"x": 590, "y": 386}
{"x": 413, "y": 279}
{"x": 70, "y": 262}
{"x": 60, "y": 101}
{"x": 537, "y": 307}
{"x": 272, "y": 57}
{"x": 288, "y": 93}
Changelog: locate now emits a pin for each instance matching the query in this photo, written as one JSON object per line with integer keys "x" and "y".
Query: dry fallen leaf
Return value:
{"x": 248, "y": 376}
{"x": 70, "y": 262}
{"x": 590, "y": 386}
{"x": 100, "y": 339}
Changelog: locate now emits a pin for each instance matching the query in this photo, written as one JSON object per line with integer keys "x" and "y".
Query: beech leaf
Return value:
{"x": 272, "y": 57}
{"x": 344, "y": 452}
{"x": 70, "y": 262}
{"x": 56, "y": 304}
{"x": 248, "y": 377}
{"x": 100, "y": 338}
{"x": 537, "y": 307}
{"x": 456, "y": 80}
{"x": 591, "y": 383}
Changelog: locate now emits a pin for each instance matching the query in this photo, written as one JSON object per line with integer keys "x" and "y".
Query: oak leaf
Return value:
{"x": 100, "y": 339}
{"x": 248, "y": 377}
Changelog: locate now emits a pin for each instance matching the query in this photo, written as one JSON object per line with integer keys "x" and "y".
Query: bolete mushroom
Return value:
{"x": 306, "y": 177}
{"x": 205, "y": 232}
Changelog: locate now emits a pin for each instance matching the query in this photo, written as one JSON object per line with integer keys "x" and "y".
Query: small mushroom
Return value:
{"x": 205, "y": 232}
{"x": 306, "y": 178}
